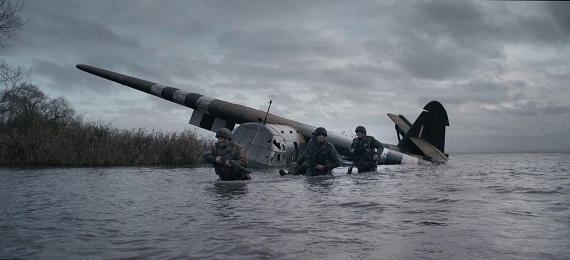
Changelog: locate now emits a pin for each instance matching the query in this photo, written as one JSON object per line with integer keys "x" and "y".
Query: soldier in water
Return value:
{"x": 228, "y": 158}
{"x": 364, "y": 151}
{"x": 319, "y": 158}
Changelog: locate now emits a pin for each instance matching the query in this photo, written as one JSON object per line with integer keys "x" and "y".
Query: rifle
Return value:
{"x": 242, "y": 170}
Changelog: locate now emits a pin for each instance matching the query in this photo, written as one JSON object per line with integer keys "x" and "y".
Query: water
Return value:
{"x": 478, "y": 206}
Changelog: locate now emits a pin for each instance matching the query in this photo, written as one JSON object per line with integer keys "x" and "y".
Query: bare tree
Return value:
{"x": 59, "y": 110}
{"x": 10, "y": 21}
{"x": 10, "y": 78}
{"x": 26, "y": 103}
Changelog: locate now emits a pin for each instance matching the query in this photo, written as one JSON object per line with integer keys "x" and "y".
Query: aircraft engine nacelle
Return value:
{"x": 269, "y": 145}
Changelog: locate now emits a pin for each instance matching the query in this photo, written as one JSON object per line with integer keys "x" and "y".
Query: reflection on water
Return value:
{"x": 230, "y": 189}
{"x": 325, "y": 182}
{"x": 477, "y": 206}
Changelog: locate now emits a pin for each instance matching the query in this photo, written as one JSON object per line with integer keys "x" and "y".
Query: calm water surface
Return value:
{"x": 478, "y": 206}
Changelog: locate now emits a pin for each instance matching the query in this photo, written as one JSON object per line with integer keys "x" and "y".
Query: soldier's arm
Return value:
{"x": 301, "y": 159}
{"x": 352, "y": 146}
{"x": 334, "y": 160}
{"x": 378, "y": 145}
{"x": 242, "y": 157}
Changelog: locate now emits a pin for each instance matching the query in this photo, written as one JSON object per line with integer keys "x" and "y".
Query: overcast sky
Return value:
{"x": 501, "y": 69}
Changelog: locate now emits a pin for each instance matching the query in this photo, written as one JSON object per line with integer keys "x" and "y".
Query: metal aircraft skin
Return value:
{"x": 274, "y": 141}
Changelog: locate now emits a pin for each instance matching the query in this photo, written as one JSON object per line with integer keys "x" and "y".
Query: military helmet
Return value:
{"x": 225, "y": 133}
{"x": 320, "y": 131}
{"x": 360, "y": 129}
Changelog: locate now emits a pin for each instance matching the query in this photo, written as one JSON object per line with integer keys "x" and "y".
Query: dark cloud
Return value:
{"x": 561, "y": 13}
{"x": 338, "y": 64}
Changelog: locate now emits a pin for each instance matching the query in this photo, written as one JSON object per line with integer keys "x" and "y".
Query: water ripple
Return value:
{"x": 479, "y": 206}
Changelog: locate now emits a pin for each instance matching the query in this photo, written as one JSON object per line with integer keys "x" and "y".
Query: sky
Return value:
{"x": 500, "y": 68}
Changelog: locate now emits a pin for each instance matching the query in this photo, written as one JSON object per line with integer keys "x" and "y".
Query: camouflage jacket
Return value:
{"x": 232, "y": 151}
{"x": 364, "y": 151}
{"x": 317, "y": 153}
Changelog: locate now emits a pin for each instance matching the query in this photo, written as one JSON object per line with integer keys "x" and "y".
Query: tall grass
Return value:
{"x": 96, "y": 144}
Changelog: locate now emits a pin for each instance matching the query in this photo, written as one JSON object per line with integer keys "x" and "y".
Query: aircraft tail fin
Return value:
{"x": 402, "y": 124}
{"x": 426, "y": 136}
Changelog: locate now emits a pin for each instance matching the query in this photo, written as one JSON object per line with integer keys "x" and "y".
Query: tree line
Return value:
{"x": 37, "y": 130}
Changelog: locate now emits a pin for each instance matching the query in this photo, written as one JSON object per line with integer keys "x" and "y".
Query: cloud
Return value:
{"x": 338, "y": 64}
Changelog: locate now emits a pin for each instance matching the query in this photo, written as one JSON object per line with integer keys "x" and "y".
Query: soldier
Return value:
{"x": 363, "y": 149}
{"x": 319, "y": 158}
{"x": 229, "y": 159}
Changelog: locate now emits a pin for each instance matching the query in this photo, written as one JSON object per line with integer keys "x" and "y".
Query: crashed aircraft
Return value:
{"x": 274, "y": 141}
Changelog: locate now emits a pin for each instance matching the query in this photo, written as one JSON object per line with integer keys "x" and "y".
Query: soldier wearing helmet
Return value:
{"x": 365, "y": 150}
{"x": 319, "y": 158}
{"x": 221, "y": 154}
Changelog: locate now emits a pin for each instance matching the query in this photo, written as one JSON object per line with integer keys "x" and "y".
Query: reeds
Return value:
{"x": 96, "y": 144}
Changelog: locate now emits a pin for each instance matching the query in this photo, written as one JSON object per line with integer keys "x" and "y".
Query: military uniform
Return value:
{"x": 364, "y": 149}
{"x": 323, "y": 153}
{"x": 232, "y": 151}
